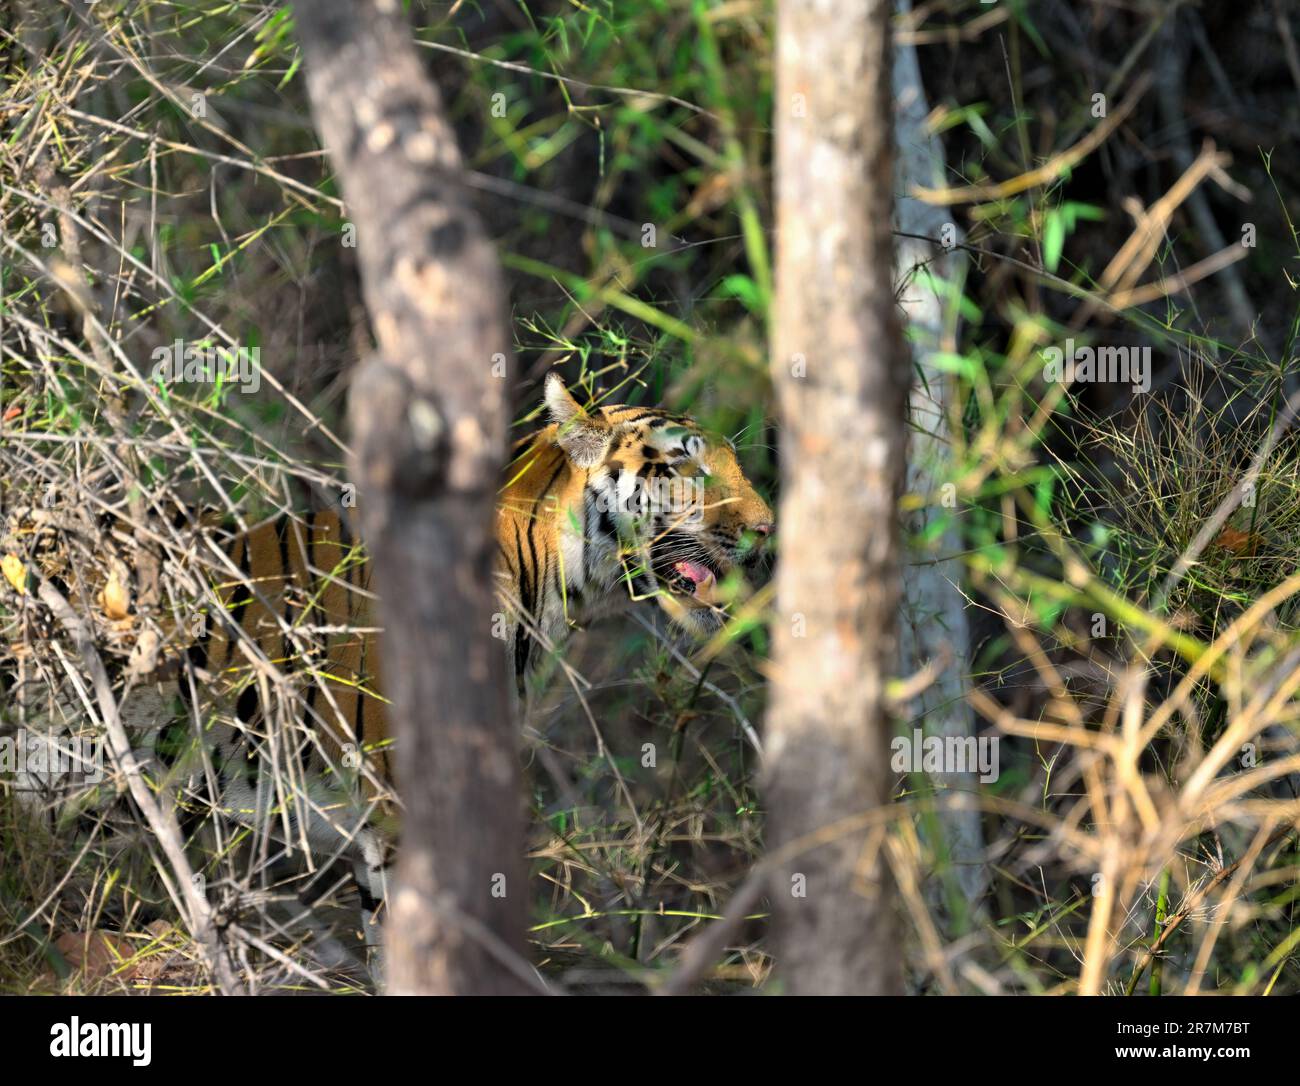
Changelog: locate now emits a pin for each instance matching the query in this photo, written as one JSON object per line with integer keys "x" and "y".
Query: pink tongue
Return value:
{"x": 701, "y": 576}
{"x": 693, "y": 570}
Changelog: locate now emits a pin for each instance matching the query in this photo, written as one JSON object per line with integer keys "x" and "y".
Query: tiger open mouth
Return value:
{"x": 693, "y": 579}
{"x": 685, "y": 569}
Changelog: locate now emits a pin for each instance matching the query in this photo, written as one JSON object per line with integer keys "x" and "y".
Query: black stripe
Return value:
{"x": 564, "y": 463}
{"x": 240, "y": 604}
{"x": 282, "y": 529}
{"x": 282, "y": 538}
{"x": 197, "y": 653}
{"x": 313, "y": 561}
{"x": 368, "y": 900}
{"x": 358, "y": 576}
{"x": 313, "y": 688}
{"x": 525, "y": 576}
{"x": 522, "y": 643}
{"x": 248, "y": 705}
{"x": 359, "y": 717}
{"x": 586, "y": 538}
{"x": 537, "y": 584}
{"x": 542, "y": 586}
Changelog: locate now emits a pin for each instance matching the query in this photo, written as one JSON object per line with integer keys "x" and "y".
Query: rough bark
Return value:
{"x": 934, "y": 612}
{"x": 429, "y": 416}
{"x": 841, "y": 372}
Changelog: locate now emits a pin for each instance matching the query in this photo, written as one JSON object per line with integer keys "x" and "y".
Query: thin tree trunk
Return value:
{"x": 842, "y": 372}
{"x": 934, "y": 612}
{"x": 429, "y": 418}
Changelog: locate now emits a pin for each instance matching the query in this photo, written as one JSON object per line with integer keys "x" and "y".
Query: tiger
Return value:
{"x": 600, "y": 509}
{"x": 608, "y": 507}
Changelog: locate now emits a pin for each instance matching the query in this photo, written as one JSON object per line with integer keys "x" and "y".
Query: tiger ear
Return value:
{"x": 584, "y": 439}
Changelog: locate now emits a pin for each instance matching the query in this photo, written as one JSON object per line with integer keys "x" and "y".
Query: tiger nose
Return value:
{"x": 764, "y": 529}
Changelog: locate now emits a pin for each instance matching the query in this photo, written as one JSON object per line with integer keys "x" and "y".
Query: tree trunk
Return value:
{"x": 429, "y": 417}
{"x": 842, "y": 373}
{"x": 934, "y": 610}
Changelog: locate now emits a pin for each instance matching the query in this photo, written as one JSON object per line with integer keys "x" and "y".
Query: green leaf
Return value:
{"x": 743, "y": 288}
{"x": 960, "y": 364}
{"x": 1053, "y": 239}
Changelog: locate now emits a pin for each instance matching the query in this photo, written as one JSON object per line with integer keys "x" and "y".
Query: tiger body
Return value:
{"x": 601, "y": 508}
{"x": 582, "y": 532}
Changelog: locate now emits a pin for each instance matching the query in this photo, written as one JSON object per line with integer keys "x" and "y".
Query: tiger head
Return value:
{"x": 689, "y": 524}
